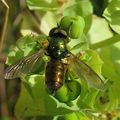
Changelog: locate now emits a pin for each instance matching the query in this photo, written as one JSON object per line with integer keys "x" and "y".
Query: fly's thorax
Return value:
{"x": 57, "y": 48}
{"x": 57, "y": 43}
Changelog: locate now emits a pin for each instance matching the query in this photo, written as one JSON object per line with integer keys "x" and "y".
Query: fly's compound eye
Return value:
{"x": 53, "y": 32}
{"x": 57, "y": 32}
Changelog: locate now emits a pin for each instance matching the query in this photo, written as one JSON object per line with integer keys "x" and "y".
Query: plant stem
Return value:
{"x": 3, "y": 97}
{"x": 2, "y": 58}
{"x": 4, "y": 107}
{"x": 106, "y": 42}
{"x": 4, "y": 26}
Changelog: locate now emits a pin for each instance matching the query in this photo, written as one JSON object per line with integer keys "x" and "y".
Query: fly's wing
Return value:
{"x": 85, "y": 72}
{"x": 23, "y": 66}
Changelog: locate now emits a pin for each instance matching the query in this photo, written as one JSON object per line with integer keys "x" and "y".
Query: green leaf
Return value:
{"x": 44, "y": 5}
{"x": 14, "y": 56}
{"x": 48, "y": 21}
{"x": 112, "y": 14}
{"x": 81, "y": 8}
{"x": 27, "y": 44}
{"x": 115, "y": 21}
{"x": 77, "y": 45}
{"x": 99, "y": 30}
{"x": 73, "y": 116}
{"x": 34, "y": 100}
{"x": 107, "y": 42}
{"x": 24, "y": 46}
{"x": 109, "y": 99}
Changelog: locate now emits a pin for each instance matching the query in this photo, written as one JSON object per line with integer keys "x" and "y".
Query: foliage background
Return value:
{"x": 102, "y": 32}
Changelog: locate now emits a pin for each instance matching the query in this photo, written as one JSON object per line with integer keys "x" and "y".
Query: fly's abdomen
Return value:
{"x": 55, "y": 73}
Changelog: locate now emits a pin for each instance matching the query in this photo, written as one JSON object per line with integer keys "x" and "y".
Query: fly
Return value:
{"x": 61, "y": 62}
